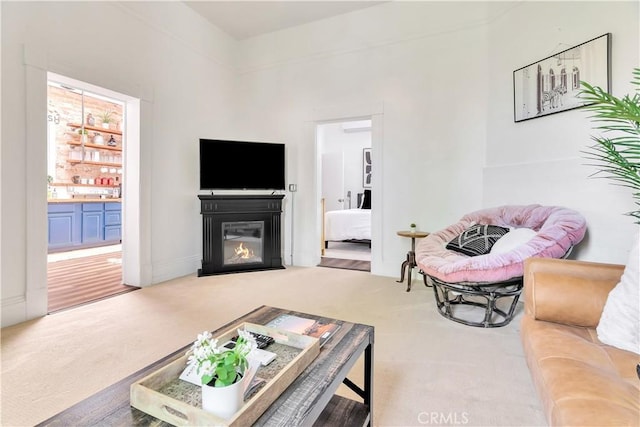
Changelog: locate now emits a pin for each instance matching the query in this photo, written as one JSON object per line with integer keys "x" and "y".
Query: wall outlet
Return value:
{"x": 293, "y": 188}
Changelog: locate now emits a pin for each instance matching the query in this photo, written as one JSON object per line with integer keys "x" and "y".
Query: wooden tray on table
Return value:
{"x": 165, "y": 396}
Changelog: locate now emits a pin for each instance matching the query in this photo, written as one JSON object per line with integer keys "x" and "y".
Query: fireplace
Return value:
{"x": 242, "y": 242}
{"x": 240, "y": 233}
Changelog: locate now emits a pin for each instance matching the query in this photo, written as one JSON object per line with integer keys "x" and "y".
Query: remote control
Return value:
{"x": 261, "y": 340}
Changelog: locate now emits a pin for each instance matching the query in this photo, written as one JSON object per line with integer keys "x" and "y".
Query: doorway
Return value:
{"x": 345, "y": 151}
{"x": 85, "y": 151}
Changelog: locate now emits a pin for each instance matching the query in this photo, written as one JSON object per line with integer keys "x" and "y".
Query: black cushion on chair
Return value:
{"x": 477, "y": 239}
{"x": 366, "y": 202}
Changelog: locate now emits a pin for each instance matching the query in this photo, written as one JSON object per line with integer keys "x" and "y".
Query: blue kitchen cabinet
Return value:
{"x": 112, "y": 222}
{"x": 78, "y": 225}
{"x": 92, "y": 223}
{"x": 64, "y": 221}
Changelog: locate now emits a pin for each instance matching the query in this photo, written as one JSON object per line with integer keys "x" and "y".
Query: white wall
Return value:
{"x": 540, "y": 160}
{"x": 162, "y": 53}
{"x": 443, "y": 73}
{"x": 425, "y": 64}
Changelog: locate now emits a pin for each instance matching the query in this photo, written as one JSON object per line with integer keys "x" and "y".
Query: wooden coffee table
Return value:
{"x": 309, "y": 400}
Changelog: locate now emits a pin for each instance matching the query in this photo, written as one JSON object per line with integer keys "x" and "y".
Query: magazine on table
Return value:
{"x": 314, "y": 328}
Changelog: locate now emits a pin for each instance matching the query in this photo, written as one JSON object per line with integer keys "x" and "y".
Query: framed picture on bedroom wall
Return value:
{"x": 366, "y": 167}
{"x": 551, "y": 85}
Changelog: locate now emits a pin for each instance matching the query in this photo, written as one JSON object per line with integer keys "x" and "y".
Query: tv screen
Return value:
{"x": 241, "y": 165}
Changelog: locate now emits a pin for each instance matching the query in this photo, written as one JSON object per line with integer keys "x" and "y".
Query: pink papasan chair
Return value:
{"x": 482, "y": 280}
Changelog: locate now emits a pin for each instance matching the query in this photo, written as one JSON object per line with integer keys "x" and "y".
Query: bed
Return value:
{"x": 349, "y": 225}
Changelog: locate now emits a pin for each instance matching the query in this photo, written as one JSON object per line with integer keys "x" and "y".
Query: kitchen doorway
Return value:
{"x": 85, "y": 174}
{"x": 345, "y": 150}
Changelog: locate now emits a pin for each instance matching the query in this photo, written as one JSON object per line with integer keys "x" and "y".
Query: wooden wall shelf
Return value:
{"x": 97, "y": 146}
{"x": 88, "y": 162}
{"x": 95, "y": 128}
{"x": 71, "y": 184}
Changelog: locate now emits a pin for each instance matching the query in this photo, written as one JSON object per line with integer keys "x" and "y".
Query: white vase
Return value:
{"x": 223, "y": 401}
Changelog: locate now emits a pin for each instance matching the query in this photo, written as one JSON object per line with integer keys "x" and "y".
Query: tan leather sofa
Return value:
{"x": 580, "y": 381}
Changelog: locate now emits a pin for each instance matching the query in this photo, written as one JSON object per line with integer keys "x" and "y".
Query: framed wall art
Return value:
{"x": 366, "y": 167}
{"x": 550, "y": 85}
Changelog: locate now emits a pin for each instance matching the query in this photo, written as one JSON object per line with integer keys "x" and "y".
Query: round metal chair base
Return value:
{"x": 483, "y": 305}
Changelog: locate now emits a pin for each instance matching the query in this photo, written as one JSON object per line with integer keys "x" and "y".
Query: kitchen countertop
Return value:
{"x": 79, "y": 200}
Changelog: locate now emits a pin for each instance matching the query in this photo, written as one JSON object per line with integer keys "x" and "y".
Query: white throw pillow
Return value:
{"x": 620, "y": 321}
{"x": 512, "y": 240}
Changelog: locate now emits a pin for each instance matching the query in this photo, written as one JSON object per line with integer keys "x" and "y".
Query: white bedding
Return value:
{"x": 347, "y": 224}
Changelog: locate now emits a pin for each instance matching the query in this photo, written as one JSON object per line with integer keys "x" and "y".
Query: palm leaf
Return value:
{"x": 617, "y": 156}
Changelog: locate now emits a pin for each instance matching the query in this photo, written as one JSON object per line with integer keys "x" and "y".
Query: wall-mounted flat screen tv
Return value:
{"x": 241, "y": 165}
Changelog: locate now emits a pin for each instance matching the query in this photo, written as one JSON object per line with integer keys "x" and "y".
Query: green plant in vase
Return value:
{"x": 220, "y": 366}
{"x": 106, "y": 117}
{"x": 83, "y": 134}
{"x": 224, "y": 372}
{"x": 617, "y": 150}
{"x": 49, "y": 182}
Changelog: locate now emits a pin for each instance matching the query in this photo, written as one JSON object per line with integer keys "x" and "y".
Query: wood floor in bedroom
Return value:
{"x": 347, "y": 264}
{"x": 347, "y": 255}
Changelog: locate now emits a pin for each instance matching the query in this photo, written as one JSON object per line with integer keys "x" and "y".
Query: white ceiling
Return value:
{"x": 244, "y": 19}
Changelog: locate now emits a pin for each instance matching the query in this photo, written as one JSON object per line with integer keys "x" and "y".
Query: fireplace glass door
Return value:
{"x": 243, "y": 242}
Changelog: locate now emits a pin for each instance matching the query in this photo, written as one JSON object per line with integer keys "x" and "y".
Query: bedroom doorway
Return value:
{"x": 346, "y": 234}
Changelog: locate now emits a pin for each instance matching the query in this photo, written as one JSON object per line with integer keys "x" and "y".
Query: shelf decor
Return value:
{"x": 552, "y": 84}
{"x": 95, "y": 128}
{"x": 106, "y": 119}
{"x": 98, "y": 139}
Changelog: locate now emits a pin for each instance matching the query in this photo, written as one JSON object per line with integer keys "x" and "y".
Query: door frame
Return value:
{"x": 131, "y": 271}
{"x": 36, "y": 293}
{"x": 346, "y": 113}
{"x": 29, "y": 294}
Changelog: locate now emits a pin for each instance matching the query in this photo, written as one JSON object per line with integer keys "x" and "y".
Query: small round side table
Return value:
{"x": 410, "y": 262}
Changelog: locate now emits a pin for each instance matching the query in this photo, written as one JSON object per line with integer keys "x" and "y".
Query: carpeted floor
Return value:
{"x": 427, "y": 370}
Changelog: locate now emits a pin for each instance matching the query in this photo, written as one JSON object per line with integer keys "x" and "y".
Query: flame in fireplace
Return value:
{"x": 242, "y": 252}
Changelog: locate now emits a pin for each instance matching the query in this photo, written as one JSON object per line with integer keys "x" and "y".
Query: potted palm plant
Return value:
{"x": 106, "y": 119}
{"x": 616, "y": 151}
